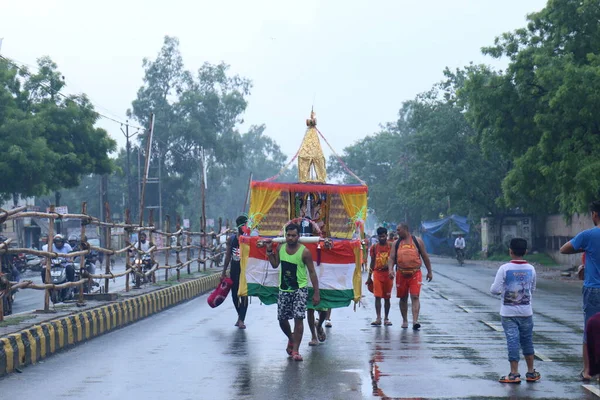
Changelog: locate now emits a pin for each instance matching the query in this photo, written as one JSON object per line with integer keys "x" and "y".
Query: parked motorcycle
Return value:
{"x": 58, "y": 274}
{"x": 19, "y": 261}
{"x": 34, "y": 263}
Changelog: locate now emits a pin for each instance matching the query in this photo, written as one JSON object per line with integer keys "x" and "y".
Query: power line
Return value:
{"x": 52, "y": 91}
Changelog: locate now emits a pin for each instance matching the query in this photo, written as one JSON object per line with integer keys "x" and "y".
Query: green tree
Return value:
{"x": 196, "y": 114}
{"x": 543, "y": 110}
{"x": 47, "y": 141}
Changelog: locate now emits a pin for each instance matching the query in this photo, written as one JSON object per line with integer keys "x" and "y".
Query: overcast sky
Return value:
{"x": 355, "y": 61}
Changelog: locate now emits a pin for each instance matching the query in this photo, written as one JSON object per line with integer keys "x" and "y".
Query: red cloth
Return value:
{"x": 592, "y": 331}
{"x": 220, "y": 293}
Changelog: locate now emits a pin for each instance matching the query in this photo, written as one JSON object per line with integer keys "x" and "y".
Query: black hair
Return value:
{"x": 381, "y": 230}
{"x": 518, "y": 246}
{"x": 292, "y": 226}
{"x": 241, "y": 220}
{"x": 595, "y": 206}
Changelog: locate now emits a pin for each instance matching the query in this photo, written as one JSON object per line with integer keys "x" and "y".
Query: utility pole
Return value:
{"x": 146, "y": 168}
{"x": 128, "y": 166}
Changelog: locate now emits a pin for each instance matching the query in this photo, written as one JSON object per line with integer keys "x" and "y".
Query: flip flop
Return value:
{"x": 296, "y": 356}
{"x": 583, "y": 378}
{"x": 376, "y": 323}
{"x": 242, "y": 326}
{"x": 321, "y": 334}
{"x": 387, "y": 322}
{"x": 416, "y": 326}
{"x": 404, "y": 326}
{"x": 313, "y": 343}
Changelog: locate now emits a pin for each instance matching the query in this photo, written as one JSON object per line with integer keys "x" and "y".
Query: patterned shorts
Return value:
{"x": 292, "y": 305}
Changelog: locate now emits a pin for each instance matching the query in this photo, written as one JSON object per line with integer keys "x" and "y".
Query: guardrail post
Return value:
{"x": 167, "y": 252}
{"x": 188, "y": 240}
{"x": 128, "y": 252}
{"x": 178, "y": 248}
{"x": 48, "y": 278}
{"x": 108, "y": 245}
{"x": 151, "y": 239}
{"x": 82, "y": 239}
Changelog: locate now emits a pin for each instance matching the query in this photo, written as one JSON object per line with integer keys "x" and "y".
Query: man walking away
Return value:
{"x": 588, "y": 242}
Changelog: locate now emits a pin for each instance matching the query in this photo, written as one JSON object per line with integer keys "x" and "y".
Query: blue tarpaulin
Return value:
{"x": 435, "y": 244}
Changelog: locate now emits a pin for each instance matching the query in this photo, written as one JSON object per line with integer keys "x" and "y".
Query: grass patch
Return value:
{"x": 16, "y": 320}
{"x": 539, "y": 258}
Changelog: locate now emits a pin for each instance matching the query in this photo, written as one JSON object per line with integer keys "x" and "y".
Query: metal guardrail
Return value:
{"x": 213, "y": 253}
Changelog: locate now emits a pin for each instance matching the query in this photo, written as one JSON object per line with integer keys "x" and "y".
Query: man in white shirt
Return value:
{"x": 459, "y": 245}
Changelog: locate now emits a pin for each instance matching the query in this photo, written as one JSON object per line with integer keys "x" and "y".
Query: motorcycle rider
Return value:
{"x": 459, "y": 246}
{"x": 74, "y": 242}
{"x": 142, "y": 244}
{"x": 60, "y": 247}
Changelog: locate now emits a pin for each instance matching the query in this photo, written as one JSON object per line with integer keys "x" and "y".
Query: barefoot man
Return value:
{"x": 296, "y": 263}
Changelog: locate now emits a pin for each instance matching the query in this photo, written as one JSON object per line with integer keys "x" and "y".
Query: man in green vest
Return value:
{"x": 296, "y": 265}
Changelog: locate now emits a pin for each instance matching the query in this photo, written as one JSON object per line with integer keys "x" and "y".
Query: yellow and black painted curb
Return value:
{"x": 40, "y": 341}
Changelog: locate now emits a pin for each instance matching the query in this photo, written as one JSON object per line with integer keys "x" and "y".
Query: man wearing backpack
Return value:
{"x": 405, "y": 265}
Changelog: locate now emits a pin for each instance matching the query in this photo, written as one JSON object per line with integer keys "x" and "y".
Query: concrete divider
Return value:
{"x": 40, "y": 341}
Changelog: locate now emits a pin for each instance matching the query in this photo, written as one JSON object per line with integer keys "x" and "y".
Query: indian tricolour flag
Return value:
{"x": 338, "y": 272}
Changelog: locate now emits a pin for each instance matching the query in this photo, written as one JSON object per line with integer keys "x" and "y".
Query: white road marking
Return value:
{"x": 493, "y": 326}
{"x": 592, "y": 388}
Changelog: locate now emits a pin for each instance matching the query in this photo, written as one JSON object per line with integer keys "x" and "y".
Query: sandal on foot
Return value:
{"x": 289, "y": 348}
{"x": 296, "y": 356}
{"x": 416, "y": 326}
{"x": 584, "y": 378}
{"x": 532, "y": 376}
{"x": 387, "y": 322}
{"x": 404, "y": 325}
{"x": 321, "y": 334}
{"x": 377, "y": 322}
{"x": 313, "y": 342}
{"x": 241, "y": 325}
{"x": 328, "y": 323}
{"x": 510, "y": 378}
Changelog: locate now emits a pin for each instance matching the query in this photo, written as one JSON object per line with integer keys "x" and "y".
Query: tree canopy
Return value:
{"x": 47, "y": 140}
{"x": 543, "y": 110}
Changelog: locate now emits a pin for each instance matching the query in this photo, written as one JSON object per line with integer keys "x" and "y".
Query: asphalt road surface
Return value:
{"x": 194, "y": 352}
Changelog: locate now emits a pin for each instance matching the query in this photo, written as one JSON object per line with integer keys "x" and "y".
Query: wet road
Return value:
{"x": 195, "y": 352}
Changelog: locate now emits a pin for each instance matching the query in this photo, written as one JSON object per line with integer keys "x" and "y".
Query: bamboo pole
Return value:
{"x": 127, "y": 254}
{"x": 49, "y": 247}
{"x": 108, "y": 244}
{"x": 177, "y": 249}
{"x": 167, "y": 252}
{"x": 82, "y": 239}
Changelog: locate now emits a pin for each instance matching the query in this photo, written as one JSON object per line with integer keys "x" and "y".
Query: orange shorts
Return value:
{"x": 408, "y": 284}
{"x": 382, "y": 284}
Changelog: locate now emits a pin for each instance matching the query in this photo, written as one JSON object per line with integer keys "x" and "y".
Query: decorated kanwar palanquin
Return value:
{"x": 331, "y": 218}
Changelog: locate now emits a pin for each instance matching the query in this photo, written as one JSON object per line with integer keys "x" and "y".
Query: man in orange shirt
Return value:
{"x": 407, "y": 253}
{"x": 382, "y": 283}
